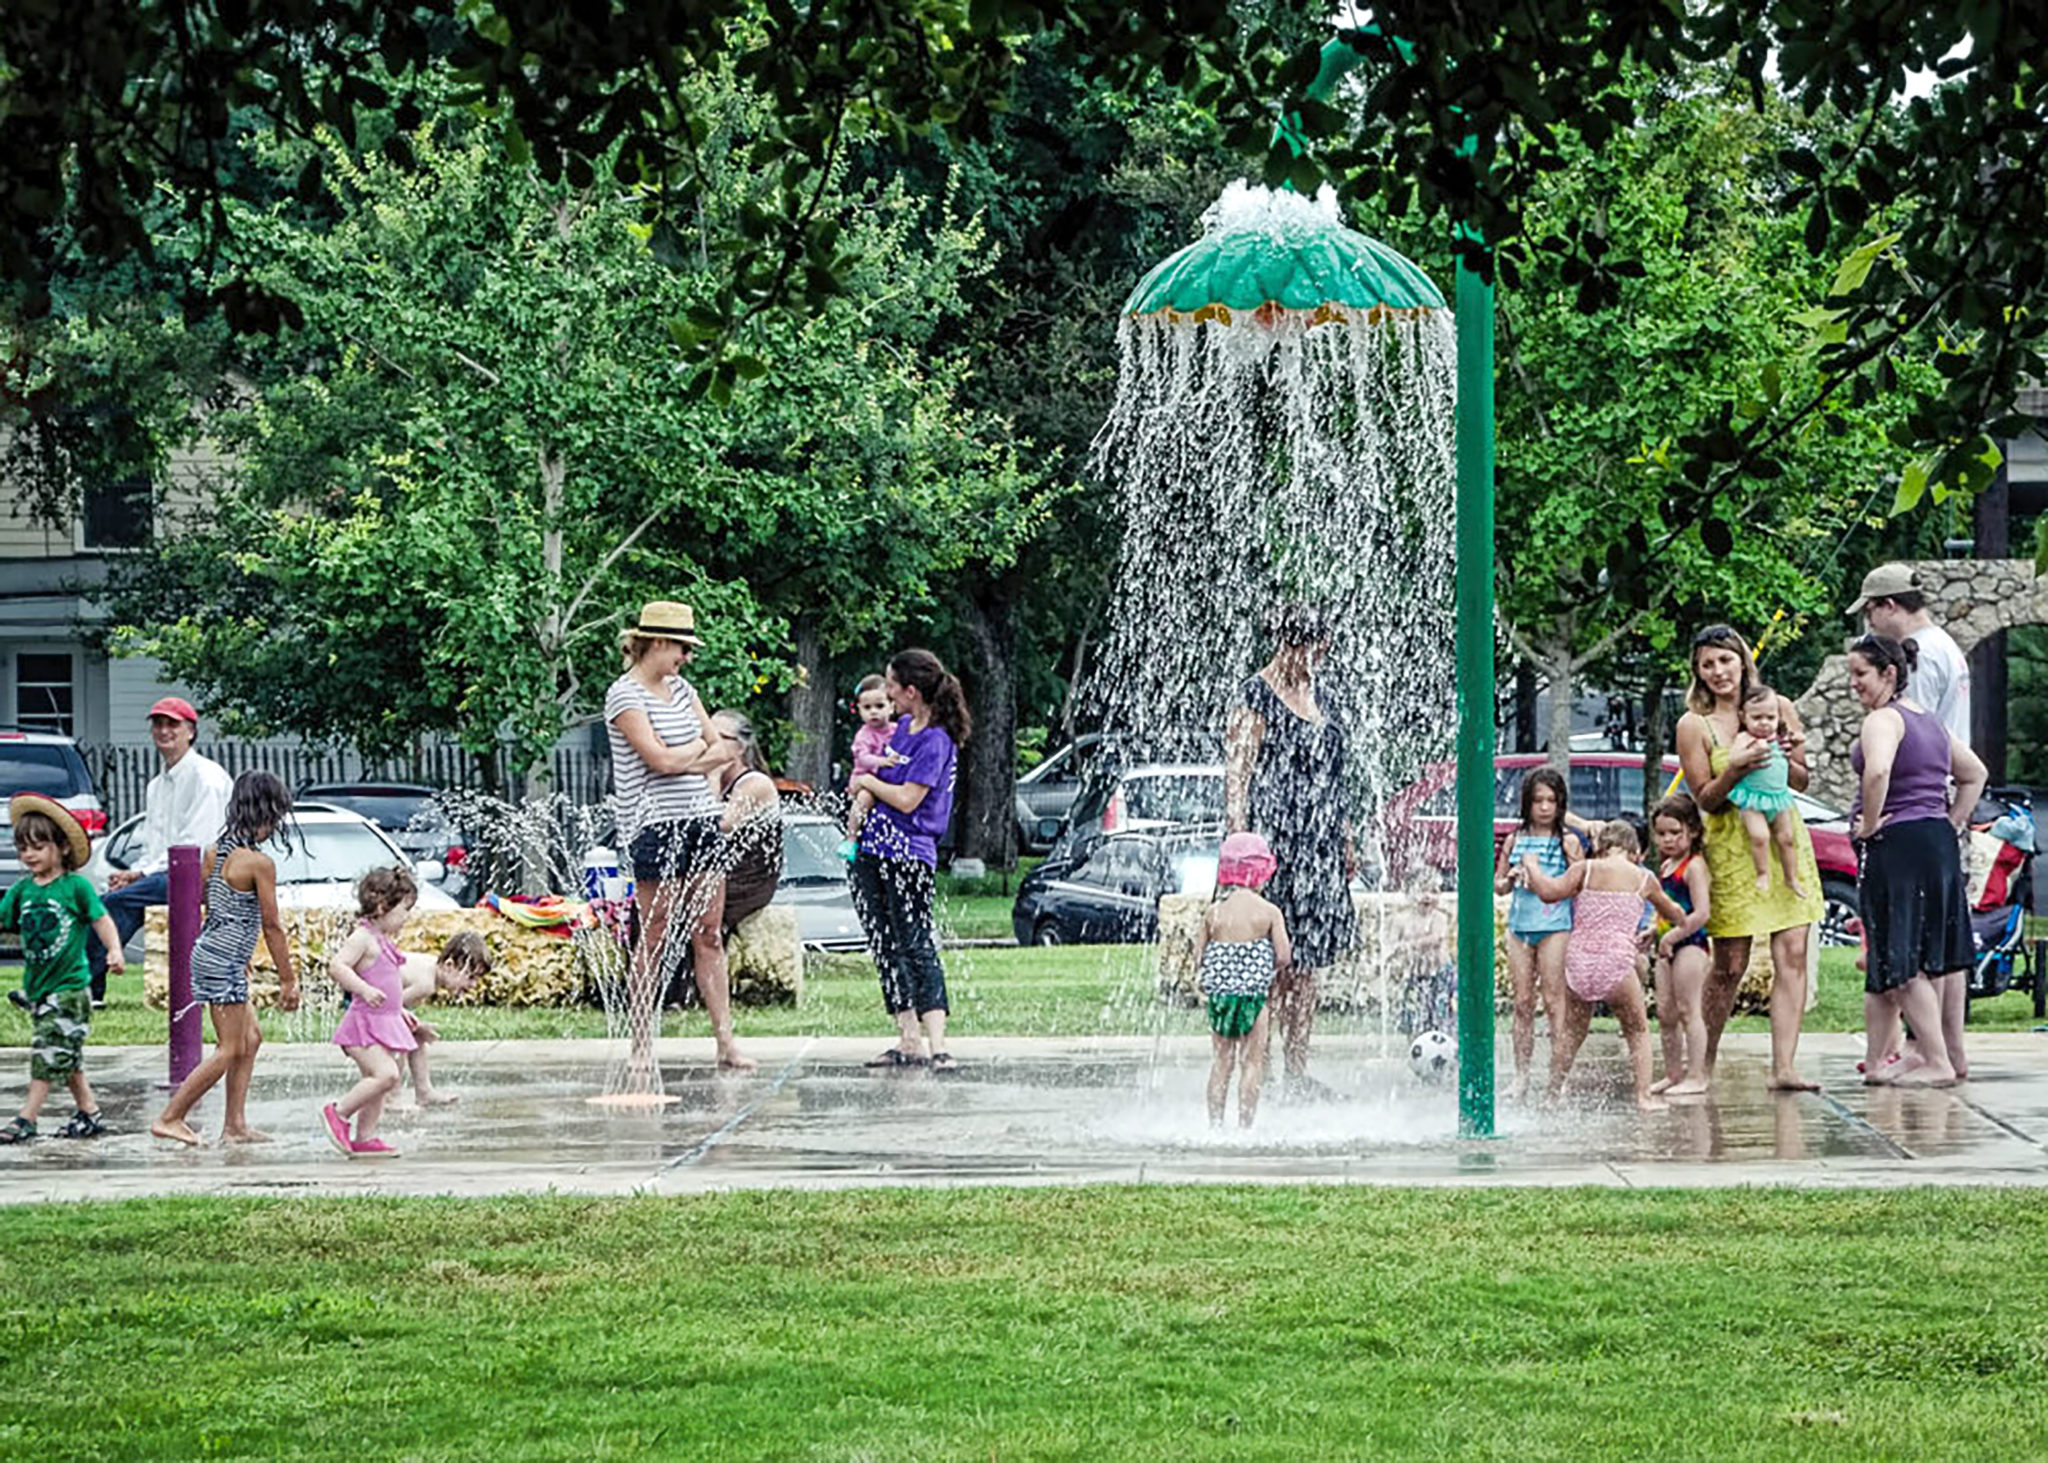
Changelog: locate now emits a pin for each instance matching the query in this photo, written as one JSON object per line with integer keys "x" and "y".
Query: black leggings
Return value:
{"x": 894, "y": 900}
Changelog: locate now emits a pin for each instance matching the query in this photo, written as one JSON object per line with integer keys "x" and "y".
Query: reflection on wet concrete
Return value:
{"x": 1039, "y": 1111}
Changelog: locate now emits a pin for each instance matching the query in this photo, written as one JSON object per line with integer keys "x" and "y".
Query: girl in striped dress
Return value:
{"x": 241, "y": 906}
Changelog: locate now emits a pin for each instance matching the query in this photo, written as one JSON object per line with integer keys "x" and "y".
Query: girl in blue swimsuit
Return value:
{"x": 1537, "y": 932}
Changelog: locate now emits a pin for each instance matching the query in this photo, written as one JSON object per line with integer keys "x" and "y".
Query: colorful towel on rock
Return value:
{"x": 549, "y": 913}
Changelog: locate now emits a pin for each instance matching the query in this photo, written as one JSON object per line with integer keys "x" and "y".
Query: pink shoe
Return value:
{"x": 337, "y": 1130}
{"x": 372, "y": 1148}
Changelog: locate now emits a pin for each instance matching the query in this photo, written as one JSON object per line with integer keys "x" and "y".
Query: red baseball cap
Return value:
{"x": 176, "y": 706}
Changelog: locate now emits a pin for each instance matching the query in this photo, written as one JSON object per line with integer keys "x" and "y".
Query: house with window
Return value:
{"x": 50, "y": 679}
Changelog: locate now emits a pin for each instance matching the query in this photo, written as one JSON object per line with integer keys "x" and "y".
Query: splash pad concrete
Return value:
{"x": 1029, "y": 1111}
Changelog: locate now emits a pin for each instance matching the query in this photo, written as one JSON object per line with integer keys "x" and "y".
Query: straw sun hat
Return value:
{"x": 24, "y": 803}
{"x": 664, "y": 619}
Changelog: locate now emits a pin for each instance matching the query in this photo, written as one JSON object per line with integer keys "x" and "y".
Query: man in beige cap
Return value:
{"x": 1894, "y": 605}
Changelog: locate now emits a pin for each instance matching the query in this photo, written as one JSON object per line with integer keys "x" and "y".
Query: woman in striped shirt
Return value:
{"x": 663, "y": 745}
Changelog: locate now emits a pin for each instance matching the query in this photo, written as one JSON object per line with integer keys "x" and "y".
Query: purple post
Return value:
{"x": 186, "y": 1036}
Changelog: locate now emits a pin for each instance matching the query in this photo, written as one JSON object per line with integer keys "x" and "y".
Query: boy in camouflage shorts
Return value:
{"x": 54, "y": 908}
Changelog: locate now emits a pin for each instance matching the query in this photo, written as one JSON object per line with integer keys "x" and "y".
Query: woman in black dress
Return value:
{"x": 1283, "y": 777}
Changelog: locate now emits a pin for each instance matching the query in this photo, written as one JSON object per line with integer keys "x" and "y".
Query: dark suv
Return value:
{"x": 408, "y": 812}
{"x": 49, "y": 764}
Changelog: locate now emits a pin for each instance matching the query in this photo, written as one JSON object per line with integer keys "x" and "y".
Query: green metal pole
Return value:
{"x": 1474, "y": 306}
{"x": 1474, "y": 303}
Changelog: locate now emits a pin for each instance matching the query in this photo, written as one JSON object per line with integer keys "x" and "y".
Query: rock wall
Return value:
{"x": 1386, "y": 924}
{"x": 1969, "y": 598}
{"x": 529, "y": 967}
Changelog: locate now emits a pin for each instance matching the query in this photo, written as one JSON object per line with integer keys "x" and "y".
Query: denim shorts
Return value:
{"x": 666, "y": 851}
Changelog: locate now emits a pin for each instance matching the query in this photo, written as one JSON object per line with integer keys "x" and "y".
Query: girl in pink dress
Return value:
{"x": 1607, "y": 893}
{"x": 375, "y": 1030}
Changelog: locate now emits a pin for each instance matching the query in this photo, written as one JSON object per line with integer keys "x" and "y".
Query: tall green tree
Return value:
{"x": 480, "y": 453}
{"x": 1702, "y": 328}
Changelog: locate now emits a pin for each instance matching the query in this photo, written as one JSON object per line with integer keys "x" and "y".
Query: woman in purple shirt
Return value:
{"x": 1914, "y": 900}
{"x": 899, "y": 852}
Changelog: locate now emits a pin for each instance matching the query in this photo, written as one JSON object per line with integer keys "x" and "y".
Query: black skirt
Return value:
{"x": 1915, "y": 904}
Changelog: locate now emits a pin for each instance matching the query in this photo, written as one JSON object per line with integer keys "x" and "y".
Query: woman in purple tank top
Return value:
{"x": 1910, "y": 886}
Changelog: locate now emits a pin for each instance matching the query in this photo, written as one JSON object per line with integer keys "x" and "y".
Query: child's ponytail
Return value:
{"x": 940, "y": 689}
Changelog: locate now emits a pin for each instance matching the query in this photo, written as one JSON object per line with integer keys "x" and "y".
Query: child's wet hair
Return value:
{"x": 1617, "y": 835}
{"x": 382, "y": 890}
{"x": 466, "y": 949}
{"x": 257, "y": 807}
{"x": 870, "y": 683}
{"x": 1544, "y": 777}
{"x": 40, "y": 830}
{"x": 1682, "y": 810}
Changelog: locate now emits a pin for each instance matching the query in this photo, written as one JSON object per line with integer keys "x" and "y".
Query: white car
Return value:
{"x": 328, "y": 850}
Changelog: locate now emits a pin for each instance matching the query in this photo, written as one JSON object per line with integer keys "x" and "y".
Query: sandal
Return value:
{"x": 19, "y": 1131}
{"x": 943, "y": 1062}
{"x": 84, "y": 1124}
{"x": 896, "y": 1056}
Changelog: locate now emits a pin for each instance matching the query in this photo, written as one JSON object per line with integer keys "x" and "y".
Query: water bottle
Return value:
{"x": 601, "y": 874}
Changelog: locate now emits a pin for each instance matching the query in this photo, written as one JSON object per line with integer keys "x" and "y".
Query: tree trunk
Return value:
{"x": 538, "y": 781}
{"x": 1656, "y": 732}
{"x": 986, "y": 821}
{"x": 1557, "y": 670}
{"x": 811, "y": 707}
{"x": 1525, "y": 707}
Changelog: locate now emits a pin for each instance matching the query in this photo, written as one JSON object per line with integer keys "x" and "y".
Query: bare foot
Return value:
{"x": 1518, "y": 1090}
{"x": 1662, "y": 1084}
{"x": 1649, "y": 1102}
{"x": 177, "y": 1132}
{"x": 1763, "y": 883}
{"x": 1690, "y": 1087}
{"x": 434, "y": 1097}
{"x": 1790, "y": 1082}
{"x": 1925, "y": 1075}
{"x": 732, "y": 1059}
{"x": 243, "y": 1135}
{"x": 1798, "y": 890}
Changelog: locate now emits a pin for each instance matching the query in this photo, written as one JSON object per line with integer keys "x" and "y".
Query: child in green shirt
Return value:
{"x": 53, "y": 908}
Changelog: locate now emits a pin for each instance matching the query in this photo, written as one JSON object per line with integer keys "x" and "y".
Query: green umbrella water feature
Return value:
{"x": 1287, "y": 380}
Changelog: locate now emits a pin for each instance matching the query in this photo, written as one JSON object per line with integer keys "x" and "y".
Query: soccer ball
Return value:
{"x": 1433, "y": 1056}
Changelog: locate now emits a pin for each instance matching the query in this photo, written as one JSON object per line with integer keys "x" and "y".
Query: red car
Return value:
{"x": 1421, "y": 820}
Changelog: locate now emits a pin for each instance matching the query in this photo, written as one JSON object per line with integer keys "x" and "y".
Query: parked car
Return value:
{"x": 409, "y": 813}
{"x": 1112, "y": 895}
{"x": 328, "y": 850}
{"x": 1145, "y": 797}
{"x": 1421, "y": 821}
{"x": 1047, "y": 791}
{"x": 47, "y": 763}
{"x": 814, "y": 884}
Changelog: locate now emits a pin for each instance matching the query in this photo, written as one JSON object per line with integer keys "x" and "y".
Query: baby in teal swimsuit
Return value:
{"x": 1764, "y": 795}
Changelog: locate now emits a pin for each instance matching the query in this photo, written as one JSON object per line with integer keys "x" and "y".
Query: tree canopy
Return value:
{"x": 105, "y": 110}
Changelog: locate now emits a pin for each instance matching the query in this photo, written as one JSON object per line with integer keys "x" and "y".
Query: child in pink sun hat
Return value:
{"x": 1241, "y": 945}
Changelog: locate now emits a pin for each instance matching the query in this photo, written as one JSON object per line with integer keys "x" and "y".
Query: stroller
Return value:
{"x": 1998, "y": 922}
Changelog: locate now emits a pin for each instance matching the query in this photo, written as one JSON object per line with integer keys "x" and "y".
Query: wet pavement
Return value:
{"x": 1028, "y": 1111}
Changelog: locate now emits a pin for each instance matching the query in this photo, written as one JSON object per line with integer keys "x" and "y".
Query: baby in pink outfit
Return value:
{"x": 870, "y": 753}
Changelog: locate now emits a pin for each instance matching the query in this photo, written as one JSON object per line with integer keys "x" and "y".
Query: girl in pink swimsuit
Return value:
{"x": 1607, "y": 893}
{"x": 375, "y": 1031}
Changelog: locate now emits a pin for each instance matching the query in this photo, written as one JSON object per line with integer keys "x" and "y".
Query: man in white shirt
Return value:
{"x": 1893, "y": 604}
{"x": 186, "y": 803}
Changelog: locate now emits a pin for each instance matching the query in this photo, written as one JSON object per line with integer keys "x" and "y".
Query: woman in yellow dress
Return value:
{"x": 1722, "y": 673}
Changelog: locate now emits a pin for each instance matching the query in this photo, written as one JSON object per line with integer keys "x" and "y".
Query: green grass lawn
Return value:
{"x": 1075, "y": 990}
{"x": 1047, "y": 1323}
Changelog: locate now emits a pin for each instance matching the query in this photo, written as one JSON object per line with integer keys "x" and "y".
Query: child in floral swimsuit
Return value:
{"x": 1240, "y": 946}
{"x": 1607, "y": 893}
